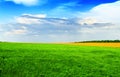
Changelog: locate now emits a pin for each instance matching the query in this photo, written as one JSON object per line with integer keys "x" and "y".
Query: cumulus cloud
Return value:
{"x": 34, "y": 16}
{"x": 25, "y": 2}
{"x": 30, "y": 19}
{"x": 101, "y": 22}
{"x": 106, "y": 12}
{"x": 13, "y": 29}
{"x": 64, "y": 23}
{"x": 87, "y": 20}
{"x": 16, "y": 32}
{"x": 54, "y": 29}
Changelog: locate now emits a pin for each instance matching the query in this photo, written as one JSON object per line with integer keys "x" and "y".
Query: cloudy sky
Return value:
{"x": 59, "y": 20}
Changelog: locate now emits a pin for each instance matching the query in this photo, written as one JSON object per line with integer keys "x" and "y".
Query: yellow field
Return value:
{"x": 98, "y": 44}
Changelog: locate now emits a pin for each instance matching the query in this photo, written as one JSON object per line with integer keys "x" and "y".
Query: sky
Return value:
{"x": 59, "y": 20}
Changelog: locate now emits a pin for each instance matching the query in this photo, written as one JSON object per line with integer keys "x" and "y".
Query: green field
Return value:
{"x": 58, "y": 60}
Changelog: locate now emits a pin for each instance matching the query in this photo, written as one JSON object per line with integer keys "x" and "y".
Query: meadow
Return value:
{"x": 58, "y": 60}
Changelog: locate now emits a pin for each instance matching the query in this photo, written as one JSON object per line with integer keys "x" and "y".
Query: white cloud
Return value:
{"x": 105, "y": 12}
{"x": 30, "y": 19}
{"x": 35, "y": 15}
{"x": 39, "y": 27}
{"x": 87, "y": 20}
{"x": 25, "y": 2}
{"x": 16, "y": 32}
{"x": 41, "y": 21}
{"x": 24, "y": 20}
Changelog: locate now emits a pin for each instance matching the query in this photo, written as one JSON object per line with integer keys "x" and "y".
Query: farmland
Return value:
{"x": 97, "y": 44}
{"x": 59, "y": 60}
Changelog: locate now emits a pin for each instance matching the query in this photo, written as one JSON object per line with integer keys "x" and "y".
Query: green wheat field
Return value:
{"x": 58, "y": 60}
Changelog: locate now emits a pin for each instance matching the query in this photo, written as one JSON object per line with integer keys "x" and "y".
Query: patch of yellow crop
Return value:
{"x": 98, "y": 44}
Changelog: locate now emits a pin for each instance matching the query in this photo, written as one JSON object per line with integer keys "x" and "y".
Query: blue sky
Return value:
{"x": 59, "y": 20}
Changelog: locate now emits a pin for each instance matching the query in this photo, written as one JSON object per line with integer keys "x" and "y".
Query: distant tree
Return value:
{"x": 99, "y": 41}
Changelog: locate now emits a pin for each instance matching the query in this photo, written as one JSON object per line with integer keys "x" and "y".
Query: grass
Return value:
{"x": 58, "y": 60}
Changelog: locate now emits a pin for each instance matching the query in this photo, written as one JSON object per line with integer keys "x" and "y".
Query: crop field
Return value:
{"x": 58, "y": 60}
{"x": 98, "y": 44}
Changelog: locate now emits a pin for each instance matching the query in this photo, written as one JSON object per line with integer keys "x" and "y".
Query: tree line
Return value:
{"x": 99, "y": 41}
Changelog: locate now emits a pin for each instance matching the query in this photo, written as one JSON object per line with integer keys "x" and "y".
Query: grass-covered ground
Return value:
{"x": 55, "y": 60}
